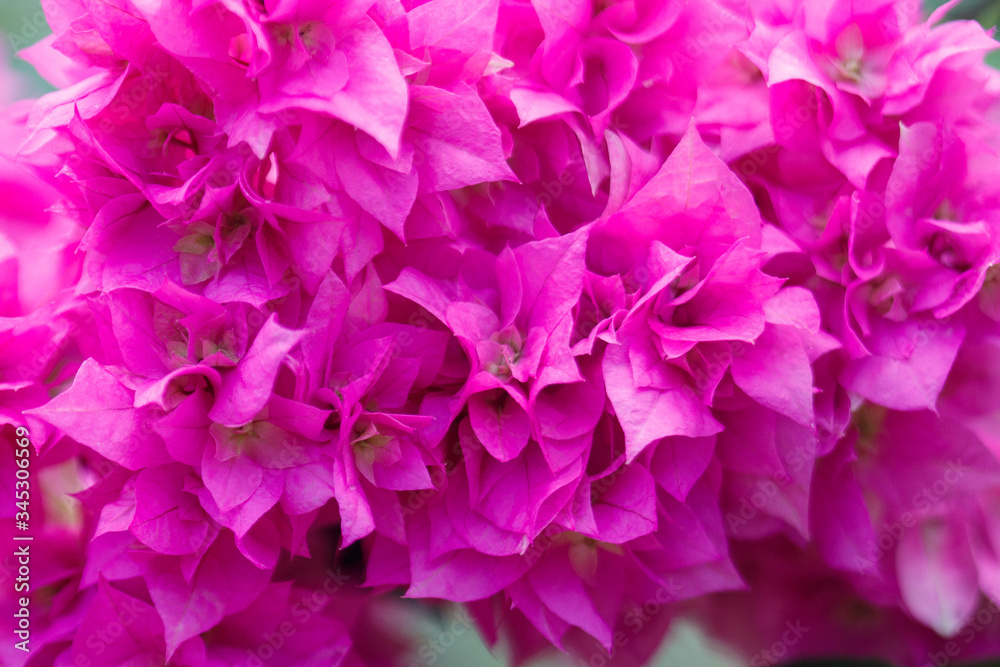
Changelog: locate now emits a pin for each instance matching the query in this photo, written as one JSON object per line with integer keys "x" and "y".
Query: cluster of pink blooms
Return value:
{"x": 589, "y": 316}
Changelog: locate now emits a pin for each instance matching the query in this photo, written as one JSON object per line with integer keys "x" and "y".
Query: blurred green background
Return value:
{"x": 22, "y": 24}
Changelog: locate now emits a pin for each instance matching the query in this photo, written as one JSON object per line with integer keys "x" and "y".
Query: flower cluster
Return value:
{"x": 586, "y": 315}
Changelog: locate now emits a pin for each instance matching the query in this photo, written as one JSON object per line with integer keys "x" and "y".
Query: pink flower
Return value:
{"x": 587, "y": 316}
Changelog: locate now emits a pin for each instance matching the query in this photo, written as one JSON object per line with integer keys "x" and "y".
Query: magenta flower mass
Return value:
{"x": 590, "y": 317}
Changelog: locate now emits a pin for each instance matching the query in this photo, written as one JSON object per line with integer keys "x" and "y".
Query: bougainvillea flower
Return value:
{"x": 586, "y": 316}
